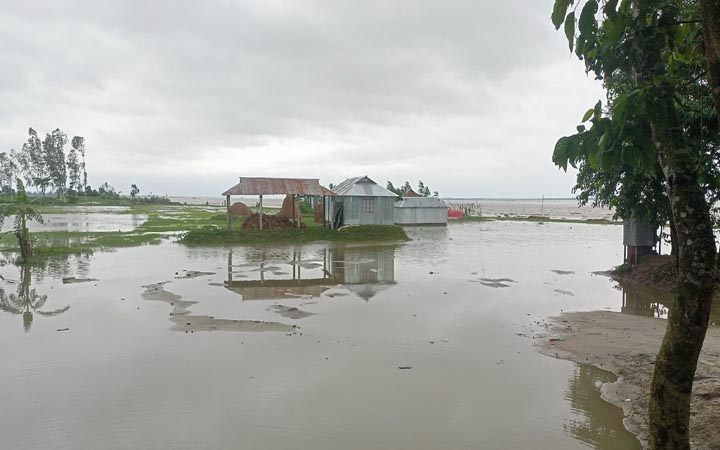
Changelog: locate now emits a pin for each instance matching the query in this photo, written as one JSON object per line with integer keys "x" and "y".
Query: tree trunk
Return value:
{"x": 674, "y": 242}
{"x": 711, "y": 33}
{"x": 676, "y": 362}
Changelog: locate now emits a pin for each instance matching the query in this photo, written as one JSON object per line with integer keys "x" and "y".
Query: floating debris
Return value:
{"x": 72, "y": 280}
{"x": 193, "y": 274}
{"x": 290, "y": 312}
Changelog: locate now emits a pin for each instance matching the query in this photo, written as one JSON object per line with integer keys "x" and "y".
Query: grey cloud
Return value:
{"x": 356, "y": 85}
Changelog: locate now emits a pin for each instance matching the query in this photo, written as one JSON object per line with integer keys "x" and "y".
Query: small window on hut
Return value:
{"x": 368, "y": 205}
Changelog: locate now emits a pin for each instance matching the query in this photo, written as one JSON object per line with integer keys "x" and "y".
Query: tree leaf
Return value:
{"x": 588, "y": 23}
{"x": 559, "y": 10}
{"x": 619, "y": 106}
{"x": 570, "y": 29}
{"x": 597, "y": 110}
{"x": 602, "y": 143}
{"x": 610, "y": 8}
{"x": 588, "y": 114}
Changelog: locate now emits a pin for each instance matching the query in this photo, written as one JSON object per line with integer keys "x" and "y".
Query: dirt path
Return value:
{"x": 627, "y": 345}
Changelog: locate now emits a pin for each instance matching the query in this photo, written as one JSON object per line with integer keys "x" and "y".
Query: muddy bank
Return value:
{"x": 627, "y": 345}
{"x": 654, "y": 271}
{"x": 183, "y": 321}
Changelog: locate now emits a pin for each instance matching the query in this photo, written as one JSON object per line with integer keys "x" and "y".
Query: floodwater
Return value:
{"x": 88, "y": 219}
{"x": 487, "y": 207}
{"x": 423, "y": 345}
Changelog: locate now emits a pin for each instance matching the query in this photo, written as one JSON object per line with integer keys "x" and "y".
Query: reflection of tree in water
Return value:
{"x": 62, "y": 265}
{"x": 647, "y": 301}
{"x": 26, "y": 301}
{"x": 642, "y": 301}
{"x": 598, "y": 423}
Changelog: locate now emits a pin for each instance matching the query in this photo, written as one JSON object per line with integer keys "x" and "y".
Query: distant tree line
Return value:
{"x": 46, "y": 165}
{"x": 422, "y": 189}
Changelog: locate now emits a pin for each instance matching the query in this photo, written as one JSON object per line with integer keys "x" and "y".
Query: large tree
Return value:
{"x": 54, "y": 154}
{"x": 33, "y": 160}
{"x": 78, "y": 145}
{"x": 655, "y": 45}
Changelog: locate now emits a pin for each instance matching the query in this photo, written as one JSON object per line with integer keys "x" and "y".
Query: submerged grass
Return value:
{"x": 213, "y": 235}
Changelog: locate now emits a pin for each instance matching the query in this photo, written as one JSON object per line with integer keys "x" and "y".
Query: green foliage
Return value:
{"x": 622, "y": 269}
{"x": 23, "y": 212}
{"x": 613, "y": 147}
{"x": 44, "y": 164}
{"x": 216, "y": 235}
{"x": 422, "y": 189}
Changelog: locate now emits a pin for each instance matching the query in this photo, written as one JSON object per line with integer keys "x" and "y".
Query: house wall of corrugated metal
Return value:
{"x": 420, "y": 216}
{"x": 352, "y": 207}
{"x": 638, "y": 233}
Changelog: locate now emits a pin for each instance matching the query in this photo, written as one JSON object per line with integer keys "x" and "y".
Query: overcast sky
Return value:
{"x": 182, "y": 97}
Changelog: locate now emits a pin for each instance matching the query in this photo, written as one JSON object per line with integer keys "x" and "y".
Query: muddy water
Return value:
{"x": 381, "y": 347}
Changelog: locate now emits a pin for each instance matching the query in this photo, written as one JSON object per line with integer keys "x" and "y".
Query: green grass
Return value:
{"x": 165, "y": 221}
{"x": 212, "y": 235}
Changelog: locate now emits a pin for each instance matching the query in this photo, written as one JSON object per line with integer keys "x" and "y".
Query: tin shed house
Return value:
{"x": 361, "y": 201}
{"x": 638, "y": 239}
{"x": 421, "y": 211}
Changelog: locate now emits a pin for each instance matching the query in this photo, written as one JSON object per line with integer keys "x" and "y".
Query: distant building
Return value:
{"x": 361, "y": 201}
{"x": 421, "y": 211}
{"x": 411, "y": 193}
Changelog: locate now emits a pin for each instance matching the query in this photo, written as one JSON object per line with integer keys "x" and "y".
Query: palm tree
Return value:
{"x": 26, "y": 301}
{"x": 23, "y": 212}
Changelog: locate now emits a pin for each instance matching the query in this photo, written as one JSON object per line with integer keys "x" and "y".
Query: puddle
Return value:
{"x": 152, "y": 359}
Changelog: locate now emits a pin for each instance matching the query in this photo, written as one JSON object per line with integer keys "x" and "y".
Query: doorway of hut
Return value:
{"x": 338, "y": 219}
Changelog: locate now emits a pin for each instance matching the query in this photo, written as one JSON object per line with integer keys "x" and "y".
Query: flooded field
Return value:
{"x": 88, "y": 219}
{"x": 424, "y": 345}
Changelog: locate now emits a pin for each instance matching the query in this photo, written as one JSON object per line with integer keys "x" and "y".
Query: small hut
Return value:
{"x": 360, "y": 201}
{"x": 421, "y": 211}
{"x": 292, "y": 187}
{"x": 638, "y": 239}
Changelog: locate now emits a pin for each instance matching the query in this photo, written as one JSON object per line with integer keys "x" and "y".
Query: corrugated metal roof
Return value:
{"x": 421, "y": 202}
{"x": 277, "y": 186}
{"x": 361, "y": 187}
{"x": 411, "y": 194}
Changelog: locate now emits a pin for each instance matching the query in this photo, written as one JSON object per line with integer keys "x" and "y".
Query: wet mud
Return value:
{"x": 184, "y": 321}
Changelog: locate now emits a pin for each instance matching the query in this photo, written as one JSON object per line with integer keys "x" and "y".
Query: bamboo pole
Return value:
{"x": 229, "y": 218}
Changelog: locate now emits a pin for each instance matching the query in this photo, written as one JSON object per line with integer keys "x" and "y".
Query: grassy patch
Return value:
{"x": 213, "y": 235}
{"x": 622, "y": 269}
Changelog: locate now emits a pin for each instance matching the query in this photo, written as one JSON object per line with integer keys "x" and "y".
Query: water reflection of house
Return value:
{"x": 365, "y": 271}
{"x": 362, "y": 270}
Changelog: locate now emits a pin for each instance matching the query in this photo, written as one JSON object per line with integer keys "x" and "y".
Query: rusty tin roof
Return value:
{"x": 277, "y": 186}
